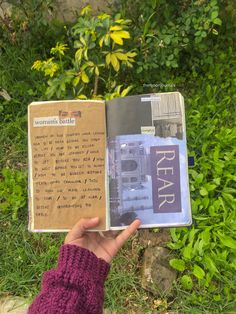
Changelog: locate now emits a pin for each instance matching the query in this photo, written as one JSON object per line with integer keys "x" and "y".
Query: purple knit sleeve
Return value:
{"x": 75, "y": 286}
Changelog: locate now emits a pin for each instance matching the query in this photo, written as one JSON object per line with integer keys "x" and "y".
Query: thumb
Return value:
{"x": 81, "y": 227}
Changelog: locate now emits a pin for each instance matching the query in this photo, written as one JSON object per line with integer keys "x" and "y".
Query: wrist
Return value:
{"x": 75, "y": 261}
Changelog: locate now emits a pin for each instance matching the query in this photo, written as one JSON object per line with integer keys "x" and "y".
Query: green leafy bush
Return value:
{"x": 174, "y": 38}
{"x": 208, "y": 248}
{"x": 27, "y": 23}
{"x": 25, "y": 34}
{"x": 13, "y": 196}
{"x": 22, "y": 33}
{"x": 99, "y": 58}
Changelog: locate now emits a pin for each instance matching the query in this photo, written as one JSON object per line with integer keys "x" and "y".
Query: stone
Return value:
{"x": 5, "y": 10}
{"x": 157, "y": 275}
{"x": 68, "y": 10}
{"x": 13, "y": 305}
{"x": 149, "y": 238}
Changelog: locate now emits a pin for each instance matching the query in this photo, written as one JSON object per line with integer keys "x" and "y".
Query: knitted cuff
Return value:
{"x": 75, "y": 261}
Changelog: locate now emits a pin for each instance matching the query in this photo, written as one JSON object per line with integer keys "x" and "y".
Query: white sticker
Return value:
{"x": 150, "y": 130}
{"x": 151, "y": 98}
{"x": 53, "y": 121}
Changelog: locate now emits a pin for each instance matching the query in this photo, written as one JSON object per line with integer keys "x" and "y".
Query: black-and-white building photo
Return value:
{"x": 129, "y": 180}
{"x": 167, "y": 116}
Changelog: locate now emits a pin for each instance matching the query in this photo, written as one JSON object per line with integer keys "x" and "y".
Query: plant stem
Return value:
{"x": 95, "y": 88}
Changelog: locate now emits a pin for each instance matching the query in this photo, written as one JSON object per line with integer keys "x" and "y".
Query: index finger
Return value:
{"x": 127, "y": 233}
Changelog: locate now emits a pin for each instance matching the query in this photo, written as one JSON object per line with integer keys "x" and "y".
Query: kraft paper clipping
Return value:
{"x": 67, "y": 145}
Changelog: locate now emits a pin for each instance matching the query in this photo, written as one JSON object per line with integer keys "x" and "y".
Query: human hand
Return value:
{"x": 105, "y": 248}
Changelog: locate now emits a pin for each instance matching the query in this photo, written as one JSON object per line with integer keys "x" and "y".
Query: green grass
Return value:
{"x": 24, "y": 256}
{"x": 13, "y": 139}
{"x": 123, "y": 290}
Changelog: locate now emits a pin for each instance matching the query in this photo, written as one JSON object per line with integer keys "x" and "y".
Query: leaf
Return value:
{"x": 115, "y": 63}
{"x": 103, "y": 16}
{"x": 175, "y": 246}
{"x": 89, "y": 64}
{"x": 227, "y": 241}
{"x": 192, "y": 234}
{"x": 126, "y": 91}
{"x": 187, "y": 251}
{"x": 122, "y": 21}
{"x": 5, "y": 95}
{"x": 209, "y": 264}
{"x": 131, "y": 54}
{"x": 203, "y": 191}
{"x": 217, "y": 181}
{"x": 200, "y": 247}
{"x": 37, "y": 65}
{"x": 86, "y": 10}
{"x": 214, "y": 14}
{"x": 4, "y": 206}
{"x": 177, "y": 264}
{"x": 118, "y": 35}
{"x": 76, "y": 81}
{"x": 196, "y": 247}
{"x": 217, "y": 21}
{"x": 121, "y": 56}
{"x": 83, "y": 41}
{"x": 198, "y": 272}
{"x": 81, "y": 96}
{"x": 115, "y": 28}
{"x": 108, "y": 58}
{"x": 60, "y": 49}
{"x": 210, "y": 187}
{"x": 147, "y": 24}
{"x": 97, "y": 71}
{"x": 78, "y": 54}
{"x": 107, "y": 39}
{"x": 205, "y": 235}
{"x": 77, "y": 44}
{"x": 154, "y": 3}
{"x": 173, "y": 234}
{"x": 84, "y": 77}
{"x": 187, "y": 282}
{"x": 217, "y": 297}
{"x": 167, "y": 40}
{"x": 117, "y": 39}
{"x": 101, "y": 41}
{"x": 123, "y": 34}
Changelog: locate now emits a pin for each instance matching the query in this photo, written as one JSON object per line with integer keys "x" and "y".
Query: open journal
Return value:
{"x": 117, "y": 160}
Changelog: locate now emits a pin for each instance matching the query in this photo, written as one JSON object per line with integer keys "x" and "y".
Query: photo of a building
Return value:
{"x": 129, "y": 180}
{"x": 167, "y": 116}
